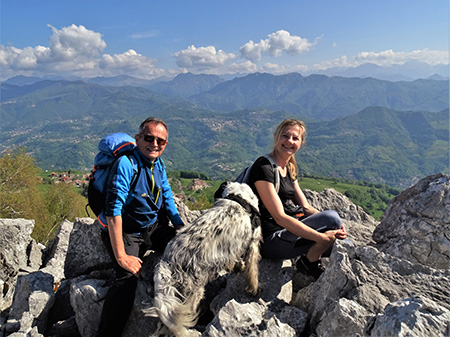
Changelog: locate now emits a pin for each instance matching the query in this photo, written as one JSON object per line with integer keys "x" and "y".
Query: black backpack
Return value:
{"x": 244, "y": 176}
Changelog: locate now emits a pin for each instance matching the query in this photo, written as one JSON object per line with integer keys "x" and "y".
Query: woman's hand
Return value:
{"x": 328, "y": 237}
{"x": 341, "y": 234}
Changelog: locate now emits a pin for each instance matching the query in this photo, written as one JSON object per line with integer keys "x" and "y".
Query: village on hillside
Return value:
{"x": 80, "y": 180}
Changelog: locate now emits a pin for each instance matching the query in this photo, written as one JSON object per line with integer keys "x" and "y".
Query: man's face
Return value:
{"x": 152, "y": 141}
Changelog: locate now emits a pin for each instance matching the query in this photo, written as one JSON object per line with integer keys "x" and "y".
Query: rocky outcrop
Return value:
{"x": 394, "y": 283}
{"x": 416, "y": 224}
{"x": 18, "y": 254}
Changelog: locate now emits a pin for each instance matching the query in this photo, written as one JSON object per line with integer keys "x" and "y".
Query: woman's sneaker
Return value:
{"x": 314, "y": 269}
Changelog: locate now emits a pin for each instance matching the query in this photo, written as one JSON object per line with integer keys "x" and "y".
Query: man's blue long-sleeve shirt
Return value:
{"x": 136, "y": 190}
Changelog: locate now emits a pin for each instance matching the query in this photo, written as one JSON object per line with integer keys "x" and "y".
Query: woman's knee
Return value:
{"x": 333, "y": 219}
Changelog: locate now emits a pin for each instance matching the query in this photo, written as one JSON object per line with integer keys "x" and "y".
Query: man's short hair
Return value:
{"x": 153, "y": 120}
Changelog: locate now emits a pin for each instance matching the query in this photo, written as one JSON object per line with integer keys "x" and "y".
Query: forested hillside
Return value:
{"x": 61, "y": 122}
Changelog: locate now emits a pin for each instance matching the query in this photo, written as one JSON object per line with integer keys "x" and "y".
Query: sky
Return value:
{"x": 149, "y": 39}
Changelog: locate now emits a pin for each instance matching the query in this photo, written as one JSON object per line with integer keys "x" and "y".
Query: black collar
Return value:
{"x": 252, "y": 211}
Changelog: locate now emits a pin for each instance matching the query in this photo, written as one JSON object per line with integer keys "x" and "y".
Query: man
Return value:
{"x": 138, "y": 197}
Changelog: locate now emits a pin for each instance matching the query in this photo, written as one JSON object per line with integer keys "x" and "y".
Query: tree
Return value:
{"x": 19, "y": 187}
{"x": 24, "y": 195}
{"x": 62, "y": 202}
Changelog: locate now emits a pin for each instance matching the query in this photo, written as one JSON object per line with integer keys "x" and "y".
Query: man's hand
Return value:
{"x": 131, "y": 263}
{"x": 179, "y": 227}
{"x": 128, "y": 262}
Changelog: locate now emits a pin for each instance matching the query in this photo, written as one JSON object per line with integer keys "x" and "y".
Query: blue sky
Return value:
{"x": 149, "y": 39}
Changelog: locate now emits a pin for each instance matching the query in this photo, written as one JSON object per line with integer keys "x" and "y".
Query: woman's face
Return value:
{"x": 290, "y": 140}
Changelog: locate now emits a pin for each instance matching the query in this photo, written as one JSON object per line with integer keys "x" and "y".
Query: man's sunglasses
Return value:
{"x": 151, "y": 139}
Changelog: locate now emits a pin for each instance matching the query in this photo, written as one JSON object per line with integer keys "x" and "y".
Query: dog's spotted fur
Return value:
{"x": 221, "y": 238}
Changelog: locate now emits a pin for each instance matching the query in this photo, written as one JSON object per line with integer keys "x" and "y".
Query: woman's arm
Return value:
{"x": 272, "y": 202}
{"x": 300, "y": 199}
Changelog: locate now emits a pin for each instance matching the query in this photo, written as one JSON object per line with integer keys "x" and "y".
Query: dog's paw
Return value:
{"x": 252, "y": 290}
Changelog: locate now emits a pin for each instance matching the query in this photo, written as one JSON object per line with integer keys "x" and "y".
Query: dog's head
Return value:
{"x": 241, "y": 190}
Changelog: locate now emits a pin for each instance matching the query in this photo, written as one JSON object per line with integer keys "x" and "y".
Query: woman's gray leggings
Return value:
{"x": 285, "y": 245}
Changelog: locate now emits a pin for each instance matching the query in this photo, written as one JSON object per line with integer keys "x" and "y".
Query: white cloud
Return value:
{"x": 11, "y": 57}
{"x": 202, "y": 57}
{"x": 244, "y": 67}
{"x": 75, "y": 43}
{"x": 274, "y": 68}
{"x": 75, "y": 50}
{"x": 252, "y": 51}
{"x": 339, "y": 62}
{"x": 389, "y": 57}
{"x": 78, "y": 51}
{"x": 71, "y": 49}
{"x": 277, "y": 43}
{"x": 131, "y": 63}
{"x": 128, "y": 59}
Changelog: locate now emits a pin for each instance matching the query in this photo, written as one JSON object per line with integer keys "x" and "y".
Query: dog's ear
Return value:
{"x": 219, "y": 193}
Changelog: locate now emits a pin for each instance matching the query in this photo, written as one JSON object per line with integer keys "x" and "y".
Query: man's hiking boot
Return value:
{"x": 314, "y": 269}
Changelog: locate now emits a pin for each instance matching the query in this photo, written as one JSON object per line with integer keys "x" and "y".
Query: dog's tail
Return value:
{"x": 176, "y": 311}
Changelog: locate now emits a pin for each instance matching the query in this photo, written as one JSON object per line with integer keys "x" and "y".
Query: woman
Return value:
{"x": 286, "y": 235}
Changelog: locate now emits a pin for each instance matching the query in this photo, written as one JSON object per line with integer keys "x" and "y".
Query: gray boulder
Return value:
{"x": 275, "y": 284}
{"x": 415, "y": 317}
{"x": 57, "y": 251}
{"x": 255, "y": 319}
{"x": 15, "y": 243}
{"x": 345, "y": 318}
{"x": 33, "y": 298}
{"x": 86, "y": 252}
{"x": 372, "y": 280}
{"x": 86, "y": 298}
{"x": 416, "y": 225}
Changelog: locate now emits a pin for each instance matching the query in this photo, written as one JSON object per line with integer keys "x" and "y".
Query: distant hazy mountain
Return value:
{"x": 122, "y": 81}
{"x": 409, "y": 71}
{"x": 23, "y": 80}
{"x": 183, "y": 85}
{"x": 315, "y": 97}
{"x": 319, "y": 97}
{"x": 59, "y": 101}
{"x": 437, "y": 77}
{"x": 186, "y": 85}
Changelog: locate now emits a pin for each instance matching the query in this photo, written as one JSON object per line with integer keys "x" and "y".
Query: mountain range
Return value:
{"x": 363, "y": 129}
{"x": 408, "y": 71}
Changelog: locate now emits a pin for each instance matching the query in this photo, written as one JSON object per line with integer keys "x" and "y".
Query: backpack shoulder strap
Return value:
{"x": 136, "y": 164}
{"x": 276, "y": 173}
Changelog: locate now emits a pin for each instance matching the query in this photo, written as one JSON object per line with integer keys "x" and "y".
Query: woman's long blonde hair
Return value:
{"x": 292, "y": 166}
